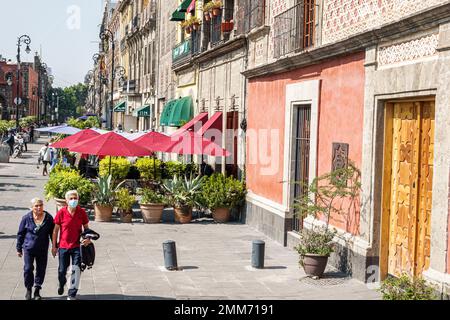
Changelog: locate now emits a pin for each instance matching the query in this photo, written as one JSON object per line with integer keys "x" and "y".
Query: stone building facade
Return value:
{"x": 393, "y": 55}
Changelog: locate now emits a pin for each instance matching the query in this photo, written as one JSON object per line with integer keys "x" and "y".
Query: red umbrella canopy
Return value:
{"x": 110, "y": 144}
{"x": 189, "y": 142}
{"x": 154, "y": 141}
{"x": 76, "y": 138}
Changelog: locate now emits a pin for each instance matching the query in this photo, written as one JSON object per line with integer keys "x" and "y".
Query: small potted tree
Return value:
{"x": 330, "y": 190}
{"x": 124, "y": 203}
{"x": 221, "y": 194}
{"x": 182, "y": 195}
{"x": 152, "y": 205}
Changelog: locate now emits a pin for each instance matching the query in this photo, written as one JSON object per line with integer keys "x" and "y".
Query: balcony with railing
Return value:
{"x": 187, "y": 49}
{"x": 251, "y": 15}
{"x": 294, "y": 29}
{"x": 148, "y": 15}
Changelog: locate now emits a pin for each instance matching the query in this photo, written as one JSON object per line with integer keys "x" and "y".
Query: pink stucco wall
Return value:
{"x": 340, "y": 120}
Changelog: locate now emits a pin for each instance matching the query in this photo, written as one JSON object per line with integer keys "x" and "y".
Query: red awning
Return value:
{"x": 195, "y": 123}
{"x": 191, "y": 6}
{"x": 215, "y": 122}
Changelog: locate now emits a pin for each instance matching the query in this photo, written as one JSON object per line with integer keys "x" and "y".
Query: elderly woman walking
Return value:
{"x": 33, "y": 238}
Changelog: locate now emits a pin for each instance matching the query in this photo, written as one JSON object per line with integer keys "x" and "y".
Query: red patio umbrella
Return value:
{"x": 154, "y": 141}
{"x": 110, "y": 144}
{"x": 192, "y": 143}
{"x": 76, "y": 138}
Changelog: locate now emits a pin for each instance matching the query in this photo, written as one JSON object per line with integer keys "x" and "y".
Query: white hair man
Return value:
{"x": 69, "y": 222}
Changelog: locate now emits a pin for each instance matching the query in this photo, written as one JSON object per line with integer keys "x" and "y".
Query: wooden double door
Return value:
{"x": 407, "y": 187}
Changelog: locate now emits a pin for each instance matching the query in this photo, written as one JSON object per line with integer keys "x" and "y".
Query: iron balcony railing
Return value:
{"x": 188, "y": 48}
{"x": 251, "y": 15}
{"x": 294, "y": 29}
{"x": 221, "y": 26}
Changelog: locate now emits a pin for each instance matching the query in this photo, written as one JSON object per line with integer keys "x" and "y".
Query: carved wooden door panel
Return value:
{"x": 410, "y": 190}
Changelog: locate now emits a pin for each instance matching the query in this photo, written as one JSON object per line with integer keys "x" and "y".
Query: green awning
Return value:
{"x": 184, "y": 5}
{"x": 120, "y": 107}
{"x": 177, "y": 112}
{"x": 178, "y": 16}
{"x": 143, "y": 111}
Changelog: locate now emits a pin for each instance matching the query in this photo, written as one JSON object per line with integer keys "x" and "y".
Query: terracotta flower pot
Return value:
{"x": 60, "y": 203}
{"x": 126, "y": 216}
{"x": 188, "y": 30}
{"x": 221, "y": 215}
{"x": 314, "y": 264}
{"x": 216, "y": 12}
{"x": 183, "y": 214}
{"x": 103, "y": 213}
{"x": 207, "y": 16}
{"x": 196, "y": 26}
{"x": 152, "y": 213}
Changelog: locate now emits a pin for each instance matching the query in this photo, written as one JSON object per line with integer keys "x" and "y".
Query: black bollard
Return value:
{"x": 170, "y": 255}
{"x": 258, "y": 254}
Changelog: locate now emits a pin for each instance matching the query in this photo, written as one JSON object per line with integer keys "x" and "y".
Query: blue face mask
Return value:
{"x": 73, "y": 203}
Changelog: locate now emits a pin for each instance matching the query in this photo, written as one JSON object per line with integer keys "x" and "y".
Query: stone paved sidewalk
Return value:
{"x": 215, "y": 258}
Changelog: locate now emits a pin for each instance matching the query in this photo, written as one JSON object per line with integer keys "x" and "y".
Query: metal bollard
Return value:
{"x": 258, "y": 254}
{"x": 170, "y": 255}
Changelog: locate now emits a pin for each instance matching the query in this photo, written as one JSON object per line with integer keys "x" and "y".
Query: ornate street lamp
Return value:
{"x": 9, "y": 81}
{"x": 26, "y": 40}
{"x": 108, "y": 35}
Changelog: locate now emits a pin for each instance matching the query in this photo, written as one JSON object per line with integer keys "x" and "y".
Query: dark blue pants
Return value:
{"x": 65, "y": 255}
{"x": 28, "y": 269}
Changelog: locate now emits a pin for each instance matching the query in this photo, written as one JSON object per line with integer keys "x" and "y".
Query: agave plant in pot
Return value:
{"x": 152, "y": 205}
{"x": 124, "y": 203}
{"x": 105, "y": 198}
{"x": 221, "y": 194}
{"x": 182, "y": 195}
{"x": 328, "y": 195}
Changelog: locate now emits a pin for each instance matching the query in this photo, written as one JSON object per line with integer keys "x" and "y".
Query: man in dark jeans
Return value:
{"x": 69, "y": 222}
{"x": 10, "y": 141}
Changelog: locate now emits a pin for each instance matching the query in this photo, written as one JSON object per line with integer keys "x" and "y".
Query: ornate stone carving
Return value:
{"x": 344, "y": 18}
{"x": 409, "y": 50}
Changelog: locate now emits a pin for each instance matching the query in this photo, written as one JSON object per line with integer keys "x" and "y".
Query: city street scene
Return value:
{"x": 225, "y": 150}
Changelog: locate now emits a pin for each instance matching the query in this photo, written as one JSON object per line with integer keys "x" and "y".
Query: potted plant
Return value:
{"x": 124, "y": 202}
{"x": 182, "y": 195}
{"x": 227, "y": 26}
{"x": 330, "y": 190}
{"x": 215, "y": 7}
{"x": 104, "y": 198}
{"x": 207, "y": 15}
{"x": 221, "y": 194}
{"x": 152, "y": 205}
{"x": 63, "y": 179}
{"x": 186, "y": 26}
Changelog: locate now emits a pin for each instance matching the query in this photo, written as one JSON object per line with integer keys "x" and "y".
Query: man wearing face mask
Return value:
{"x": 69, "y": 222}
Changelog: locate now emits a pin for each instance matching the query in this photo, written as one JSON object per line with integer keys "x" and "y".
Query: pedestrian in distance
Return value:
{"x": 70, "y": 222}
{"x": 33, "y": 238}
{"x": 26, "y": 139}
{"x": 10, "y": 140}
{"x": 45, "y": 156}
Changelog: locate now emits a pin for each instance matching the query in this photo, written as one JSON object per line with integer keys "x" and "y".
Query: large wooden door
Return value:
{"x": 407, "y": 187}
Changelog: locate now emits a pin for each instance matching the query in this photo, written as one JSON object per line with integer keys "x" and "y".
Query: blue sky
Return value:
{"x": 66, "y": 31}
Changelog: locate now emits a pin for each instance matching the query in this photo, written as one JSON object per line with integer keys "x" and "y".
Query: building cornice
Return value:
{"x": 418, "y": 22}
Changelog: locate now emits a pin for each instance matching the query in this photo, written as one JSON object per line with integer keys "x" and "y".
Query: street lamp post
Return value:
{"x": 9, "y": 82}
{"x": 107, "y": 34}
{"x": 26, "y": 40}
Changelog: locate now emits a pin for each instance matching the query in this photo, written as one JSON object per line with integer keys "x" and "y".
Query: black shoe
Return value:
{"x": 60, "y": 290}
{"x": 28, "y": 294}
{"x": 37, "y": 296}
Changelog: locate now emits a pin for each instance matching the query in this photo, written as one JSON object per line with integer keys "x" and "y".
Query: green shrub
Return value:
{"x": 124, "y": 200}
{"x": 27, "y": 121}
{"x": 147, "y": 168}
{"x": 174, "y": 168}
{"x": 151, "y": 196}
{"x": 119, "y": 168}
{"x": 62, "y": 180}
{"x": 219, "y": 191}
{"x": 405, "y": 288}
{"x": 90, "y": 122}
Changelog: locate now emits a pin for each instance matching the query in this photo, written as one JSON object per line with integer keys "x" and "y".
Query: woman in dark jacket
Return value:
{"x": 33, "y": 237}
